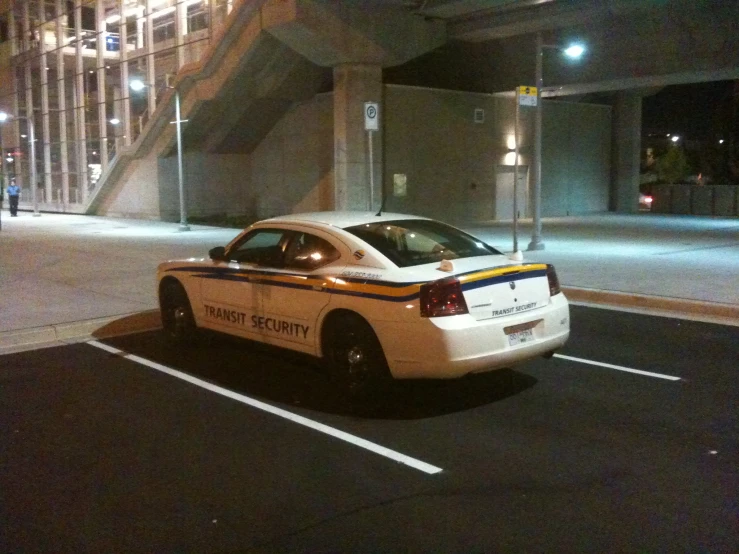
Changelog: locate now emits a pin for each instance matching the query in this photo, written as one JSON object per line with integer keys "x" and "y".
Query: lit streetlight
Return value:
{"x": 32, "y": 140}
{"x": 574, "y": 51}
{"x": 137, "y": 85}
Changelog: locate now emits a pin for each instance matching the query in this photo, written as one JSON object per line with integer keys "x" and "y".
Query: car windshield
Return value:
{"x": 411, "y": 242}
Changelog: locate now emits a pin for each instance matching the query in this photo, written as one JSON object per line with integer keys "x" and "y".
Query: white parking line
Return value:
{"x": 356, "y": 441}
{"x": 618, "y": 367}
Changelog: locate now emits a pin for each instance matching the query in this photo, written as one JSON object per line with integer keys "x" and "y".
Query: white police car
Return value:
{"x": 375, "y": 296}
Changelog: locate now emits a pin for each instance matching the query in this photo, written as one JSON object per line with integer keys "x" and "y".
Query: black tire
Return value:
{"x": 177, "y": 319}
{"x": 354, "y": 356}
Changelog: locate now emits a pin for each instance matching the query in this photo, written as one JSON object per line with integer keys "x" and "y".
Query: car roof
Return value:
{"x": 340, "y": 219}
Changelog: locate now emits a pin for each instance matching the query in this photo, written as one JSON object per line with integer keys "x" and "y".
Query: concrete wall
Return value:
{"x": 576, "y": 151}
{"x": 214, "y": 184}
{"x": 136, "y": 194}
{"x": 718, "y": 200}
{"x": 449, "y": 161}
{"x": 290, "y": 171}
{"x": 292, "y": 168}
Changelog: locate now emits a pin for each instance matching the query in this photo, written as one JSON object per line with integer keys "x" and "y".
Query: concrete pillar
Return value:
{"x": 15, "y": 169}
{"x": 26, "y": 25}
{"x": 180, "y": 30}
{"x": 126, "y": 91}
{"x": 118, "y": 114}
{"x": 625, "y": 153}
{"x": 79, "y": 104}
{"x": 45, "y": 124}
{"x": 62, "y": 102}
{"x": 102, "y": 40}
{"x": 28, "y": 96}
{"x": 355, "y": 84}
{"x": 139, "y": 32}
{"x": 12, "y": 30}
{"x": 150, "y": 69}
{"x": 357, "y": 42}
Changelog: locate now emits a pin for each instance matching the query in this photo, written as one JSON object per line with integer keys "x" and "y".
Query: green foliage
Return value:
{"x": 673, "y": 166}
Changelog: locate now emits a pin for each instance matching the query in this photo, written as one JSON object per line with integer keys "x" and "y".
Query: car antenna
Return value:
{"x": 382, "y": 204}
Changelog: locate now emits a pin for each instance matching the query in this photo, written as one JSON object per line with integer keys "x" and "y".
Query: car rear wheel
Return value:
{"x": 354, "y": 356}
{"x": 177, "y": 319}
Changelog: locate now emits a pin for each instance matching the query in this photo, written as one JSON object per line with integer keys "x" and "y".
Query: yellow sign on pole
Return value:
{"x": 527, "y": 96}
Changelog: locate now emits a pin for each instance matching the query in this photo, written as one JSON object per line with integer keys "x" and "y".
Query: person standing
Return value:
{"x": 14, "y": 193}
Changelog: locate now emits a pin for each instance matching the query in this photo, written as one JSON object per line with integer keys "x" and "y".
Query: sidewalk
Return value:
{"x": 64, "y": 277}
{"x": 681, "y": 264}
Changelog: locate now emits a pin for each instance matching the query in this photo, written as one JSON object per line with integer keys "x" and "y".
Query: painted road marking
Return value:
{"x": 618, "y": 367}
{"x": 300, "y": 420}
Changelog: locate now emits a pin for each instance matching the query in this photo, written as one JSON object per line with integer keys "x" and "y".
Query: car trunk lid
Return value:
{"x": 504, "y": 290}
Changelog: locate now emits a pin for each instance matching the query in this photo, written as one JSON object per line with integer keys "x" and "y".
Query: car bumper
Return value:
{"x": 450, "y": 347}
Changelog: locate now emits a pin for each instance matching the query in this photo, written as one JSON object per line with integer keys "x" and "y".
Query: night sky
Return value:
{"x": 692, "y": 111}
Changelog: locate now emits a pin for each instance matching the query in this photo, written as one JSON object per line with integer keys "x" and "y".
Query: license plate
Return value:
{"x": 527, "y": 335}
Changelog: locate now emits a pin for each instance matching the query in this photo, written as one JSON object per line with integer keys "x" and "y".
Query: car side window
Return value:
{"x": 264, "y": 247}
{"x": 309, "y": 252}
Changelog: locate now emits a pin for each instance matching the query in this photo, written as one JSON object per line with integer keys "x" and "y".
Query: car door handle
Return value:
{"x": 318, "y": 287}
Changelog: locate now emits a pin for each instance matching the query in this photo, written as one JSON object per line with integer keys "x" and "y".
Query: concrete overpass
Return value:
{"x": 280, "y": 65}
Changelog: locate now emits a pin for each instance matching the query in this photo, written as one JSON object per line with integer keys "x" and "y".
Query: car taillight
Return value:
{"x": 553, "y": 280}
{"x": 443, "y": 297}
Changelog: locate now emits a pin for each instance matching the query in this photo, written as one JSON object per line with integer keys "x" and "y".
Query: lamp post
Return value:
{"x": 573, "y": 51}
{"x": 31, "y": 137}
{"x": 138, "y": 85}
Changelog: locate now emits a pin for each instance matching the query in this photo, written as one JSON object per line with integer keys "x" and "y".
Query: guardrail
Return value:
{"x": 720, "y": 200}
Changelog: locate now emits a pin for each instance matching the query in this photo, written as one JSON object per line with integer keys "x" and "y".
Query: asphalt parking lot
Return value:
{"x": 627, "y": 441}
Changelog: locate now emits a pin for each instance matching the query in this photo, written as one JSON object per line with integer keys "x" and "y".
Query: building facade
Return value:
{"x": 65, "y": 73}
{"x": 266, "y": 134}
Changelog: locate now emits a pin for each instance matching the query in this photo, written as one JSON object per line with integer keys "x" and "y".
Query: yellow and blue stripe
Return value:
{"x": 387, "y": 291}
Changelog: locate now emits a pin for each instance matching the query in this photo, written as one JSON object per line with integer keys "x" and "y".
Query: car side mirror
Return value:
{"x": 218, "y": 253}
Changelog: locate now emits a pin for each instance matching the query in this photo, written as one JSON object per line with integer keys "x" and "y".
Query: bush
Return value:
{"x": 672, "y": 166}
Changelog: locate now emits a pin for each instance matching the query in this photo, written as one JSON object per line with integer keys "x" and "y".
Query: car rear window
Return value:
{"x": 410, "y": 242}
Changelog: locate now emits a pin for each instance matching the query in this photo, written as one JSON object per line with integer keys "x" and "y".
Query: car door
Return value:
{"x": 231, "y": 302}
{"x": 294, "y": 294}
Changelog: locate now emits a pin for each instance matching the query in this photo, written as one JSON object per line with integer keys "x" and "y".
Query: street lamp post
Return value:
{"x": 180, "y": 177}
{"x": 139, "y": 85}
{"x": 32, "y": 138}
{"x": 536, "y": 242}
{"x": 574, "y": 51}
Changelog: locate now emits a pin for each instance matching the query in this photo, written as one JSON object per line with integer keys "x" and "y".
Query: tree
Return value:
{"x": 673, "y": 166}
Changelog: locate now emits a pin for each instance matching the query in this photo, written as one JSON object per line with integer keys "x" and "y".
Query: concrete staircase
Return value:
{"x": 232, "y": 97}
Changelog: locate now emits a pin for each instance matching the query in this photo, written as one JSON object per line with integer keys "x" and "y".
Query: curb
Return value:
{"x": 712, "y": 312}
{"x": 105, "y": 327}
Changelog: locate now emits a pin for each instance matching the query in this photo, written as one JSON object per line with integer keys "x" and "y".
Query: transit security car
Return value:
{"x": 375, "y": 296}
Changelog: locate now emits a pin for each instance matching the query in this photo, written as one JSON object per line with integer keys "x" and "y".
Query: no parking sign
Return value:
{"x": 371, "y": 116}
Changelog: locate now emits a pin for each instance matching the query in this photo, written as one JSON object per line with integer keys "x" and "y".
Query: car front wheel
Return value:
{"x": 177, "y": 319}
{"x": 354, "y": 355}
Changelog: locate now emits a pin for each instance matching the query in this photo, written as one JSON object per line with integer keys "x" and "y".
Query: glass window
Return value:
{"x": 197, "y": 17}
{"x": 262, "y": 247}
{"x": 420, "y": 241}
{"x": 309, "y": 252}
